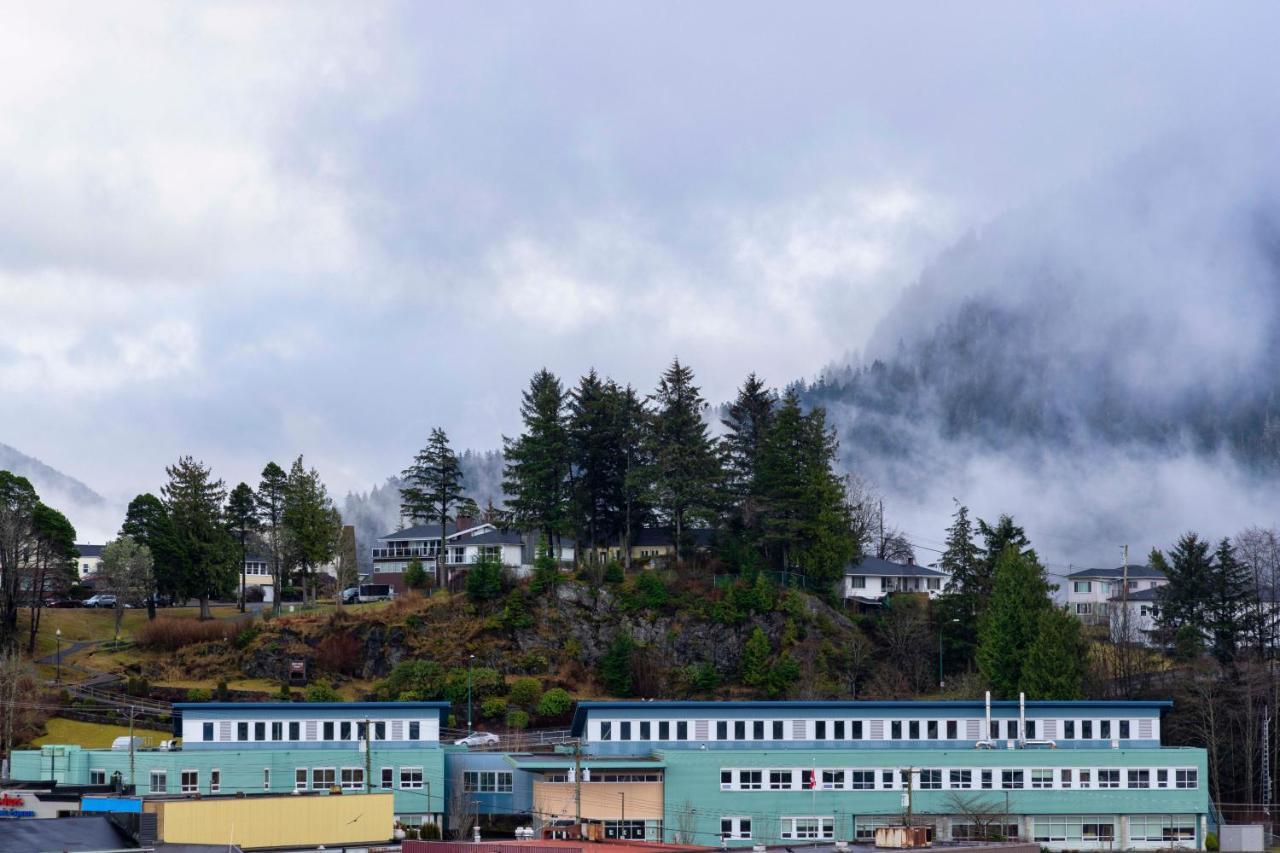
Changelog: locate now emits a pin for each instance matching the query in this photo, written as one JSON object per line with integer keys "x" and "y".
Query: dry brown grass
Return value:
{"x": 172, "y": 634}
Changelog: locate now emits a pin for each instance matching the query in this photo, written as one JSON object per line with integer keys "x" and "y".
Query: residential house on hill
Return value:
{"x": 463, "y": 546}
{"x": 1092, "y": 593}
{"x": 871, "y": 579}
{"x": 657, "y": 545}
{"x": 90, "y": 560}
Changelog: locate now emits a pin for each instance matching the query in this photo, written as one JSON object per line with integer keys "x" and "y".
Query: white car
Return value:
{"x": 477, "y": 739}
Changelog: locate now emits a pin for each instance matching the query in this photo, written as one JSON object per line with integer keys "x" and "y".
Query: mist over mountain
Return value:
{"x": 1103, "y": 362}
{"x": 54, "y": 487}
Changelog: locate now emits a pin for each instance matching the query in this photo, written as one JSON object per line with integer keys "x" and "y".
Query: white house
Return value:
{"x": 873, "y": 578}
{"x": 90, "y": 560}
{"x": 257, "y": 572}
{"x": 1092, "y": 593}
{"x": 516, "y": 549}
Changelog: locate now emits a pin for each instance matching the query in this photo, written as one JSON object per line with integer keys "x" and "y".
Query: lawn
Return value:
{"x": 86, "y": 624}
{"x": 95, "y": 735}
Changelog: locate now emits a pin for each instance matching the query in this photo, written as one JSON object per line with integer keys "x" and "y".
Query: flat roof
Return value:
{"x": 303, "y": 709}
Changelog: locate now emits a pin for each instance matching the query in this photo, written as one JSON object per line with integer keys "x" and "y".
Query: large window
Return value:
{"x": 190, "y": 781}
{"x": 97, "y": 776}
{"x": 352, "y": 778}
{"x": 961, "y": 779}
{"x": 487, "y": 781}
{"x": 862, "y": 780}
{"x": 735, "y": 827}
{"x": 1072, "y": 829}
{"x": 1162, "y": 828}
{"x": 781, "y": 780}
{"x": 1041, "y": 777}
{"x": 832, "y": 780}
{"x": 750, "y": 780}
{"x": 1082, "y": 586}
{"x": 1139, "y": 779}
{"x": 159, "y": 782}
{"x": 323, "y": 778}
{"x": 930, "y": 780}
{"x": 1010, "y": 779}
{"x": 1185, "y": 778}
{"x": 1108, "y": 779}
{"x": 410, "y": 777}
{"x": 799, "y": 828}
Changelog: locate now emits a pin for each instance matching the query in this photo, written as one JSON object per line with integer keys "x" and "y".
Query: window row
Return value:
{"x": 487, "y": 781}
{"x": 588, "y": 776}
{"x": 845, "y": 730}
{"x": 297, "y": 730}
{"x": 937, "y": 779}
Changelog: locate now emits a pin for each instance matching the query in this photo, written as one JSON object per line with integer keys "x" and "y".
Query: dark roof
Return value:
{"x": 876, "y": 567}
{"x": 256, "y": 558}
{"x": 1135, "y": 572}
{"x": 651, "y": 536}
{"x": 69, "y": 834}
{"x": 496, "y": 537}
{"x": 90, "y": 550}
{"x": 423, "y": 531}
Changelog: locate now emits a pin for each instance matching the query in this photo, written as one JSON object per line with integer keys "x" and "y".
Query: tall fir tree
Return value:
{"x": 1230, "y": 603}
{"x": 433, "y": 492}
{"x": 593, "y": 448}
{"x": 1055, "y": 662}
{"x": 242, "y": 521}
{"x": 536, "y": 476}
{"x": 270, "y": 496}
{"x": 961, "y": 606}
{"x": 311, "y": 524}
{"x": 1011, "y": 623}
{"x": 147, "y": 521}
{"x": 51, "y": 563}
{"x": 747, "y": 424}
{"x": 205, "y": 550}
{"x": 685, "y": 463}
{"x": 632, "y": 427}
{"x": 1182, "y": 600}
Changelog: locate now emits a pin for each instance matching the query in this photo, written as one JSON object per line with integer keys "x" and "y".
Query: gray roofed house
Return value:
{"x": 872, "y": 578}
{"x": 1093, "y": 593}
{"x": 1135, "y": 572}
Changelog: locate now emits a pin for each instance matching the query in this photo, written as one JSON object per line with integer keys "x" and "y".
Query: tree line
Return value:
{"x": 600, "y": 461}
{"x": 37, "y": 555}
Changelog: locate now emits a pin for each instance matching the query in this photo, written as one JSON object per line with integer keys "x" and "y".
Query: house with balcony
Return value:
{"x": 462, "y": 547}
{"x": 871, "y": 579}
{"x": 1093, "y": 594}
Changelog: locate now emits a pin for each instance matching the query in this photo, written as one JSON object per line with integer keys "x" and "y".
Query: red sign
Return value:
{"x": 10, "y": 800}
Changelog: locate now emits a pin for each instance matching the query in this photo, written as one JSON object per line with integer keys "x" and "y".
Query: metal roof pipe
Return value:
{"x": 987, "y": 734}
{"x": 1022, "y": 718}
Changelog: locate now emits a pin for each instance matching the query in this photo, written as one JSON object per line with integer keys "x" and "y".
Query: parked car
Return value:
{"x": 374, "y": 592}
{"x": 350, "y": 595}
{"x": 101, "y": 600}
{"x": 62, "y": 602}
{"x": 477, "y": 739}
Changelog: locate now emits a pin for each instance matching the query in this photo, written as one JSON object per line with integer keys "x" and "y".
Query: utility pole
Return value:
{"x": 622, "y": 820}
{"x": 577, "y": 783}
{"x": 368, "y": 757}
{"x": 132, "y": 782}
{"x": 470, "y": 662}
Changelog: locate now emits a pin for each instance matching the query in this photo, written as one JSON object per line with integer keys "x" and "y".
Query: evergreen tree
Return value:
{"x": 147, "y": 521}
{"x": 415, "y": 577}
{"x": 961, "y": 604}
{"x": 433, "y": 492}
{"x": 1230, "y": 603}
{"x": 1054, "y": 667}
{"x": 960, "y": 559}
{"x": 633, "y": 423}
{"x": 18, "y": 502}
{"x": 747, "y": 426}
{"x": 687, "y": 470}
{"x": 615, "y": 666}
{"x": 536, "y": 477}
{"x": 206, "y": 553}
{"x": 310, "y": 523}
{"x": 242, "y": 520}
{"x": 806, "y": 523}
{"x": 271, "y": 491}
{"x": 51, "y": 562}
{"x": 484, "y": 580}
{"x": 754, "y": 666}
{"x": 594, "y": 458}
{"x": 1182, "y": 600}
{"x": 1012, "y": 620}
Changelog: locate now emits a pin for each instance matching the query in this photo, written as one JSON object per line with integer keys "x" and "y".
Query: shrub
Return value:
{"x": 493, "y": 707}
{"x": 429, "y": 832}
{"x": 485, "y": 682}
{"x": 613, "y": 572}
{"x": 525, "y": 693}
{"x": 169, "y": 634}
{"x": 615, "y": 666}
{"x": 137, "y": 686}
{"x": 648, "y": 592}
{"x": 484, "y": 580}
{"x": 415, "y": 577}
{"x": 340, "y": 652}
{"x": 222, "y": 692}
{"x": 198, "y": 694}
{"x": 556, "y": 702}
{"x": 517, "y": 719}
{"x": 247, "y": 636}
{"x": 1211, "y": 841}
{"x": 423, "y": 678}
{"x": 322, "y": 693}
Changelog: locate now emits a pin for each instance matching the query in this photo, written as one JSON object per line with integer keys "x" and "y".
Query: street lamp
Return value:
{"x": 470, "y": 662}
{"x": 942, "y": 682}
{"x": 58, "y": 633}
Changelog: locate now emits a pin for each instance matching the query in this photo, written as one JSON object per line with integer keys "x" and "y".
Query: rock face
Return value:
{"x": 568, "y": 632}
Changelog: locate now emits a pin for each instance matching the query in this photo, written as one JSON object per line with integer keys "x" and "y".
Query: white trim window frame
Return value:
{"x": 215, "y": 780}
{"x": 189, "y": 781}
{"x": 410, "y": 778}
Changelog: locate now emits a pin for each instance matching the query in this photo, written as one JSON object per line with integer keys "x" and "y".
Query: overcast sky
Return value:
{"x": 247, "y": 231}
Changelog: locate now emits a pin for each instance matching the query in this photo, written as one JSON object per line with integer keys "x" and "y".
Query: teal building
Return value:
{"x": 1065, "y": 775}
